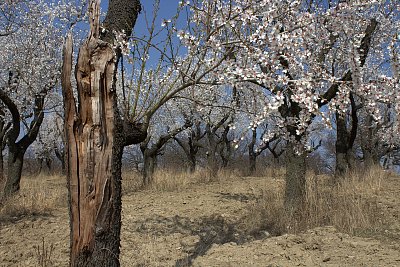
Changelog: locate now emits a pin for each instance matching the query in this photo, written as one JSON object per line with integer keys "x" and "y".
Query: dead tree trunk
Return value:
{"x": 95, "y": 140}
{"x": 94, "y": 150}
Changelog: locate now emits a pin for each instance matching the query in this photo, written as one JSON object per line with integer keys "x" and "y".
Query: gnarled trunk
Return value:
{"x": 14, "y": 169}
{"x": 95, "y": 140}
{"x": 94, "y": 150}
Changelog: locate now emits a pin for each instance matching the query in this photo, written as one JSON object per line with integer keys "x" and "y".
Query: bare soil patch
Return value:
{"x": 208, "y": 225}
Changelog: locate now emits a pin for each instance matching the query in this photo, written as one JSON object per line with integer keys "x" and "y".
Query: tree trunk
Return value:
{"x": 342, "y": 149}
{"x": 149, "y": 166}
{"x": 344, "y": 141}
{"x": 252, "y": 162}
{"x": 225, "y": 150}
{"x": 2, "y": 180}
{"x": 14, "y": 170}
{"x": 295, "y": 190}
{"x": 3, "y": 130}
{"x": 212, "y": 162}
{"x": 17, "y": 149}
{"x": 94, "y": 151}
{"x": 252, "y": 154}
{"x": 95, "y": 140}
{"x": 370, "y": 147}
{"x": 192, "y": 163}
{"x": 60, "y": 155}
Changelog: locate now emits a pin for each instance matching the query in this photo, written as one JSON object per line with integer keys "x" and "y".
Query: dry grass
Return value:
{"x": 351, "y": 206}
{"x": 172, "y": 180}
{"x": 39, "y": 195}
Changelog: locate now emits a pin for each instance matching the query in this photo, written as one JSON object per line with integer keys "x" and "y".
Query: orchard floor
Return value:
{"x": 201, "y": 226}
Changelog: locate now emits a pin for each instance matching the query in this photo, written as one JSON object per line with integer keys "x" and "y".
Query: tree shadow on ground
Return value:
{"x": 238, "y": 196}
{"x": 214, "y": 229}
{"x": 6, "y": 219}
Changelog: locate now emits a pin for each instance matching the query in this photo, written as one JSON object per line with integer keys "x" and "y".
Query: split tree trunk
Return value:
{"x": 95, "y": 140}
{"x": 94, "y": 151}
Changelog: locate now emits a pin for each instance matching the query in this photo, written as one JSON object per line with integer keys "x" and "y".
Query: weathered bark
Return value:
{"x": 252, "y": 163}
{"x": 121, "y": 17}
{"x": 95, "y": 140}
{"x": 93, "y": 150}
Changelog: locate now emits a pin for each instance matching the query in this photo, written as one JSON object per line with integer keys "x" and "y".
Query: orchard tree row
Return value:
{"x": 218, "y": 80}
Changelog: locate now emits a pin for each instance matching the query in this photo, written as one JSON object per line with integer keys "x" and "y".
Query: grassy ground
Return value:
{"x": 195, "y": 220}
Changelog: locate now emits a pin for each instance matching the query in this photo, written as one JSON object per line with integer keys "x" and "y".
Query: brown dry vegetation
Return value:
{"x": 234, "y": 221}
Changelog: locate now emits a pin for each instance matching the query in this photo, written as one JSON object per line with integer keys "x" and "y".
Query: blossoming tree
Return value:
{"x": 304, "y": 55}
{"x": 30, "y": 36}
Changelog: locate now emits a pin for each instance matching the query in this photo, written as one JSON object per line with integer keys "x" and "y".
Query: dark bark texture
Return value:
{"x": 17, "y": 149}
